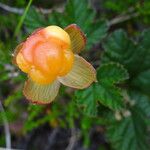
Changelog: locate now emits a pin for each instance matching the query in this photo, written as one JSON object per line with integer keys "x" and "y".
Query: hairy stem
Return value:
{"x": 22, "y": 18}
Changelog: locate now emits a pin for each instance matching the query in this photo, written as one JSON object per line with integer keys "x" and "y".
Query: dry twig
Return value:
{"x": 121, "y": 18}
{"x": 6, "y": 128}
{"x": 21, "y": 10}
{"x": 73, "y": 139}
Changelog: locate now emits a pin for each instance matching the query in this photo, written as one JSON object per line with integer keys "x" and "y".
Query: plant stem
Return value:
{"x": 22, "y": 18}
{"x": 122, "y": 18}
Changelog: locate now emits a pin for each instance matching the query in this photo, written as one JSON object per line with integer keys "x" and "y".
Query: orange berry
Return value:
{"x": 49, "y": 53}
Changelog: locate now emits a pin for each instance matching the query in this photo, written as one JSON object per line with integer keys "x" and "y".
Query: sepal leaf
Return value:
{"x": 16, "y": 51}
{"x": 40, "y": 94}
{"x": 81, "y": 75}
{"x": 78, "y": 39}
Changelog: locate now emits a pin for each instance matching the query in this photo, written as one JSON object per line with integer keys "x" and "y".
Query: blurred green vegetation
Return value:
{"x": 117, "y": 107}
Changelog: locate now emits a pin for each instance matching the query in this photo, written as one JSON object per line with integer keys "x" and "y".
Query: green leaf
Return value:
{"x": 135, "y": 56}
{"x": 33, "y": 120}
{"x": 110, "y": 96}
{"x": 142, "y": 82}
{"x": 130, "y": 133}
{"x": 108, "y": 75}
{"x": 121, "y": 49}
{"x": 80, "y": 13}
{"x": 96, "y": 32}
{"x": 41, "y": 114}
{"x": 34, "y": 20}
{"x": 88, "y": 100}
{"x": 104, "y": 91}
{"x": 58, "y": 19}
{"x": 144, "y": 48}
{"x": 142, "y": 101}
{"x": 113, "y": 72}
{"x": 76, "y": 11}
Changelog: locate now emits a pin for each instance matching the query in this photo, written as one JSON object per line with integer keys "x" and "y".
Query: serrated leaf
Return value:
{"x": 88, "y": 100}
{"x": 110, "y": 96}
{"x": 79, "y": 12}
{"x": 142, "y": 82}
{"x": 58, "y": 19}
{"x": 135, "y": 56}
{"x": 119, "y": 48}
{"x": 76, "y": 11}
{"x": 112, "y": 72}
{"x": 107, "y": 95}
{"x": 130, "y": 133}
{"x": 142, "y": 101}
{"x": 96, "y": 33}
{"x": 104, "y": 91}
{"x": 144, "y": 48}
{"x": 108, "y": 75}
